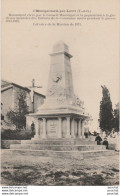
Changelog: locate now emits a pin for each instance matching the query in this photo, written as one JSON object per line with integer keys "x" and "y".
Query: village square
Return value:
{"x": 48, "y": 138}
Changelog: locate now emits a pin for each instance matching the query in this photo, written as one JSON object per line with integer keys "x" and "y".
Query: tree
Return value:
{"x": 17, "y": 116}
{"x": 106, "y": 111}
{"x": 2, "y": 116}
{"x": 116, "y": 118}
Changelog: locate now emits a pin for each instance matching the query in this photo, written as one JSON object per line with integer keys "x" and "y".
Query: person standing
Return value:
{"x": 98, "y": 139}
{"x": 32, "y": 127}
{"x": 105, "y": 142}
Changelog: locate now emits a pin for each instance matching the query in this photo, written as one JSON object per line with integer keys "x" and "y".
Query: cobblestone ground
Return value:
{"x": 31, "y": 170}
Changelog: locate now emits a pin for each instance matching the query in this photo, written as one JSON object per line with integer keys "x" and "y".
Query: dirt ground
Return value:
{"x": 37, "y": 170}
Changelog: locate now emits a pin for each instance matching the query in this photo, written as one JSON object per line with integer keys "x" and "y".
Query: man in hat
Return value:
{"x": 105, "y": 142}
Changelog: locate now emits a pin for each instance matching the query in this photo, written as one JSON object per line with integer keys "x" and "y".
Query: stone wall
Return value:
{"x": 5, "y": 144}
{"x": 38, "y": 100}
{"x": 6, "y": 99}
{"x": 7, "y": 104}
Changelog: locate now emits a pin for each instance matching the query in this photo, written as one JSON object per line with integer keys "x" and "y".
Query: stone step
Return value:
{"x": 57, "y": 147}
{"x": 84, "y": 142}
{"x": 59, "y": 142}
{"x": 48, "y": 142}
{"x": 60, "y": 154}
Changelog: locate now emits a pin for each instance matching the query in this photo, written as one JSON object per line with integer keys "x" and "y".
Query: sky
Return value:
{"x": 94, "y": 46}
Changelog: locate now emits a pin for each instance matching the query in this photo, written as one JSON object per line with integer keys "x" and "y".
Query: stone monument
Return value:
{"x": 62, "y": 115}
{"x": 59, "y": 122}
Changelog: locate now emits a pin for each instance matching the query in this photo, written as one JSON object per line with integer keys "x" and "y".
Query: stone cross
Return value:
{"x": 32, "y": 89}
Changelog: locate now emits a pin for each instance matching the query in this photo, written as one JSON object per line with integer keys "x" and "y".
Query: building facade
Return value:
{"x": 10, "y": 101}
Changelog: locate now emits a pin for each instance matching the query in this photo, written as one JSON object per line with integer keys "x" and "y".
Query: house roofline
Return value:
{"x": 6, "y": 88}
{"x": 39, "y": 94}
{"x": 25, "y": 88}
{"x": 19, "y": 86}
{"x": 11, "y": 83}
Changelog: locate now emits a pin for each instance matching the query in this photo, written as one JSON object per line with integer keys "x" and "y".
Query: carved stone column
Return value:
{"x": 68, "y": 128}
{"x": 44, "y": 128}
{"x": 59, "y": 127}
{"x": 79, "y": 129}
{"x": 83, "y": 123}
{"x": 36, "y": 129}
{"x": 72, "y": 129}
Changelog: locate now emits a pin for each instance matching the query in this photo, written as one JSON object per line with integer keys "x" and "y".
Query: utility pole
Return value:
{"x": 32, "y": 91}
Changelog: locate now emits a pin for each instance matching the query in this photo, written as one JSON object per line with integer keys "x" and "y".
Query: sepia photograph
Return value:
{"x": 60, "y": 93}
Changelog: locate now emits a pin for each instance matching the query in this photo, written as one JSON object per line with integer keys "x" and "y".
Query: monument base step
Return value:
{"x": 66, "y": 148}
{"x": 59, "y": 142}
{"x": 60, "y": 154}
{"x": 58, "y": 147}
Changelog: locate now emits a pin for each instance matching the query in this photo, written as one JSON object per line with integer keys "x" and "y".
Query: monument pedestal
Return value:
{"x": 59, "y": 125}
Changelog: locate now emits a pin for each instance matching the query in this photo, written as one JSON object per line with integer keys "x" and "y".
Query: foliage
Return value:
{"x": 16, "y": 135}
{"x": 17, "y": 116}
{"x": 116, "y": 118}
{"x": 106, "y": 111}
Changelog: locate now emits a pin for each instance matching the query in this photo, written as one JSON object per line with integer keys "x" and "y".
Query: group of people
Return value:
{"x": 99, "y": 140}
{"x": 105, "y": 141}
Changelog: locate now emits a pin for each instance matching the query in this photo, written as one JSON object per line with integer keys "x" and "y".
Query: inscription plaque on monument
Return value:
{"x": 52, "y": 127}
